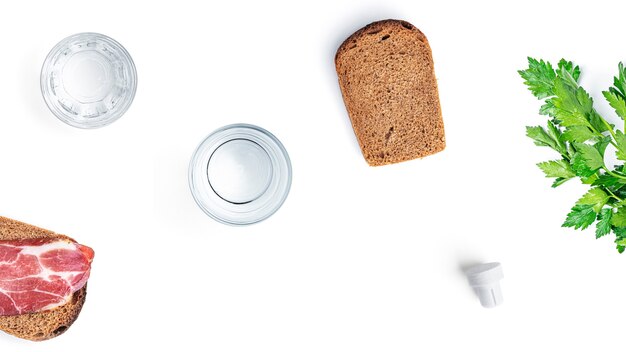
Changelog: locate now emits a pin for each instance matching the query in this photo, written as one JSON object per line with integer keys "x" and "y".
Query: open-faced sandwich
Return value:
{"x": 43, "y": 280}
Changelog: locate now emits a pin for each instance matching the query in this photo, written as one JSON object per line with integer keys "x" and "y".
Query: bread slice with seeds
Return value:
{"x": 46, "y": 324}
{"x": 387, "y": 79}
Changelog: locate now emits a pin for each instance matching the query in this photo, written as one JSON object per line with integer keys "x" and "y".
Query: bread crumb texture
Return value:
{"x": 387, "y": 80}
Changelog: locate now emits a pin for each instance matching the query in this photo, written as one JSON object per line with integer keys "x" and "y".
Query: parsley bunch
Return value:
{"x": 580, "y": 135}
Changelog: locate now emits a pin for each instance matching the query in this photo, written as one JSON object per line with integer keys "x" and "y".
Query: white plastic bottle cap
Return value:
{"x": 485, "y": 280}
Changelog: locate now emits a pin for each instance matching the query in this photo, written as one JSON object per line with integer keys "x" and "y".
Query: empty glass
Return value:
{"x": 240, "y": 174}
{"x": 88, "y": 80}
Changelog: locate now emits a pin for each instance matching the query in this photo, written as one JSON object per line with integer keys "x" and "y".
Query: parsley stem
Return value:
{"x": 610, "y": 130}
{"x": 613, "y": 195}
{"x": 613, "y": 173}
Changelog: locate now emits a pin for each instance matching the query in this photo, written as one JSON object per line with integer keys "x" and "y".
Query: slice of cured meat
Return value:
{"x": 41, "y": 274}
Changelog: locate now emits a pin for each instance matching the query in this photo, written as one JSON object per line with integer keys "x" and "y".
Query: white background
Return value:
{"x": 359, "y": 258}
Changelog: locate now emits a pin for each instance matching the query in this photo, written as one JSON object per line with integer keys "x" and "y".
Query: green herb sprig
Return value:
{"x": 581, "y": 136}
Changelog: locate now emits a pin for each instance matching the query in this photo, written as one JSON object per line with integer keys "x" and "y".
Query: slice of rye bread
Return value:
{"x": 47, "y": 324}
{"x": 388, "y": 83}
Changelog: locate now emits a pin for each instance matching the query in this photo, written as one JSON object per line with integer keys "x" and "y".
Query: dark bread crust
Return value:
{"x": 387, "y": 80}
{"x": 47, "y": 324}
{"x": 374, "y": 28}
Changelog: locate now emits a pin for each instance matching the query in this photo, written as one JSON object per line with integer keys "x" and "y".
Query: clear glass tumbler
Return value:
{"x": 88, "y": 80}
{"x": 240, "y": 174}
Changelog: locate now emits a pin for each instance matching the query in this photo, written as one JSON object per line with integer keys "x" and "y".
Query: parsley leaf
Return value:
{"x": 555, "y": 133}
{"x": 620, "y": 139}
{"x": 539, "y": 77}
{"x": 619, "y": 81}
{"x": 620, "y": 238}
{"x": 548, "y": 108}
{"x": 598, "y": 123}
{"x": 617, "y": 102}
{"x": 619, "y": 218}
{"x": 578, "y": 134}
{"x": 620, "y": 232}
{"x": 595, "y": 197}
{"x": 559, "y": 181}
{"x": 603, "y": 226}
{"x": 580, "y": 217}
{"x": 587, "y": 160}
{"x": 569, "y": 67}
{"x": 557, "y": 168}
{"x": 541, "y": 137}
{"x": 569, "y": 110}
{"x": 616, "y": 95}
{"x": 609, "y": 181}
{"x": 601, "y": 146}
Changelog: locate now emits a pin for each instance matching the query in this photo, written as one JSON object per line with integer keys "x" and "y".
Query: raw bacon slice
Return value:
{"x": 41, "y": 274}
